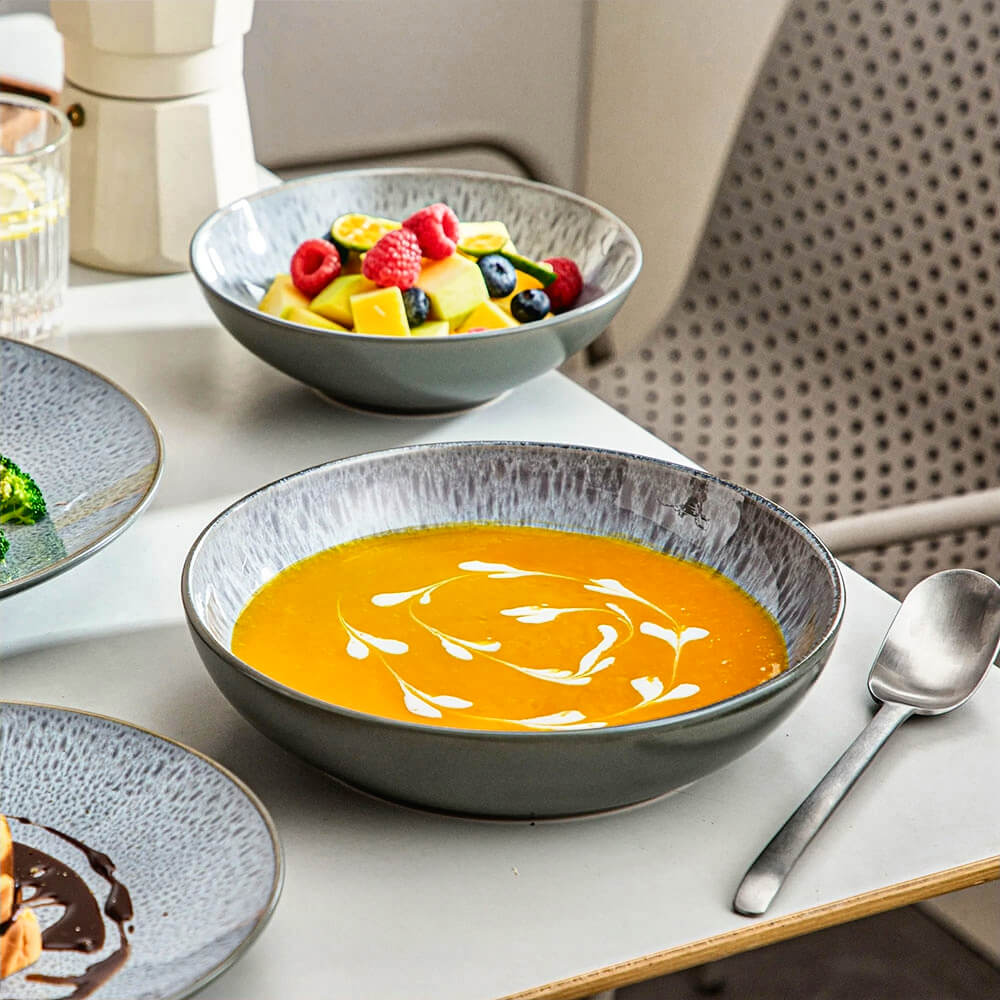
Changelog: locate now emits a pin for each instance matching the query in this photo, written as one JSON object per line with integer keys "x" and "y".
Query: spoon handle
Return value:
{"x": 765, "y": 876}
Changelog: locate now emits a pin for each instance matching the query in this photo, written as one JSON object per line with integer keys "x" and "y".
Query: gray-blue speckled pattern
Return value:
{"x": 195, "y": 850}
{"x": 668, "y": 507}
{"x": 240, "y": 248}
{"x": 90, "y": 447}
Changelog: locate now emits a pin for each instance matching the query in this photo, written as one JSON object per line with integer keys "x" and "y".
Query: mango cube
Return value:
{"x": 455, "y": 287}
{"x": 298, "y": 314}
{"x": 489, "y": 315}
{"x": 282, "y": 294}
{"x": 334, "y": 302}
{"x": 381, "y": 312}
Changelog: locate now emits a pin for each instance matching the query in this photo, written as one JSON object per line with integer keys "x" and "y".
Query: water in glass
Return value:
{"x": 34, "y": 221}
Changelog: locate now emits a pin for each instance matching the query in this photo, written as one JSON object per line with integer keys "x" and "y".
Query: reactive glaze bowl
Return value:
{"x": 237, "y": 251}
{"x": 687, "y": 513}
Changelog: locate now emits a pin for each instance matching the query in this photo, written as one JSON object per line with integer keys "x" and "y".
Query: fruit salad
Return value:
{"x": 427, "y": 276}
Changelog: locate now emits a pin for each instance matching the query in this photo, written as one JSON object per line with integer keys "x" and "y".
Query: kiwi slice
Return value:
{"x": 477, "y": 239}
{"x": 360, "y": 232}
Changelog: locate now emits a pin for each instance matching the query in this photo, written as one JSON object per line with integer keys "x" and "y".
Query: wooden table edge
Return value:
{"x": 759, "y": 933}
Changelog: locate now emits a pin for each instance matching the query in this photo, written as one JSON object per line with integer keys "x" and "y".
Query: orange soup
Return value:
{"x": 481, "y": 626}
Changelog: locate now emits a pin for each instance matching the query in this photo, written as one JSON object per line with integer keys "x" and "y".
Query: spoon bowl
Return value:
{"x": 937, "y": 651}
{"x": 940, "y": 644}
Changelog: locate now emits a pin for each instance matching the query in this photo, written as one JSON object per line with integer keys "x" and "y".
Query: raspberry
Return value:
{"x": 314, "y": 265}
{"x": 436, "y": 227}
{"x": 565, "y": 290}
{"x": 394, "y": 260}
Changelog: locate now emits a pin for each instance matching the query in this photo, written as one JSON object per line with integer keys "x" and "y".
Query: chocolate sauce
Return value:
{"x": 81, "y": 927}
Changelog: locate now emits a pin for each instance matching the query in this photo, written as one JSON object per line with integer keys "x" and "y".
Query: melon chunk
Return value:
{"x": 282, "y": 294}
{"x": 334, "y": 302}
{"x": 455, "y": 287}
{"x": 432, "y": 328}
{"x": 297, "y": 314}
{"x": 489, "y": 315}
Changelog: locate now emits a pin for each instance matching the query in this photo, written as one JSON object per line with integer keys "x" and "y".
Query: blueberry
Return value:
{"x": 529, "y": 305}
{"x": 499, "y": 275}
{"x": 341, "y": 249}
{"x": 417, "y": 306}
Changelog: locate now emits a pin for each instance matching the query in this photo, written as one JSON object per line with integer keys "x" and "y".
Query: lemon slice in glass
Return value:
{"x": 23, "y": 209}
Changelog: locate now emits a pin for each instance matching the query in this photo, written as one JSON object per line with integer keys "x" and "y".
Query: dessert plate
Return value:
{"x": 192, "y": 845}
{"x": 93, "y": 450}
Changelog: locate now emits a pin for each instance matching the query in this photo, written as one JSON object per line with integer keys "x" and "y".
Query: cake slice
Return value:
{"x": 20, "y": 935}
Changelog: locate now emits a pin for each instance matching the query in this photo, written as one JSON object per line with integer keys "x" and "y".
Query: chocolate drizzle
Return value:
{"x": 80, "y": 928}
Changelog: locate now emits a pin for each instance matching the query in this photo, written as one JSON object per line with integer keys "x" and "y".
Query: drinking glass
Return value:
{"x": 34, "y": 219}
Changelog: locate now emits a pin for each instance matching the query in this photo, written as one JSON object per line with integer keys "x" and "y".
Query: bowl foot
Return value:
{"x": 412, "y": 414}
{"x": 475, "y": 817}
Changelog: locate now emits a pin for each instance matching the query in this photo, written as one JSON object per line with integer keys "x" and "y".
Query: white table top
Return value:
{"x": 387, "y": 902}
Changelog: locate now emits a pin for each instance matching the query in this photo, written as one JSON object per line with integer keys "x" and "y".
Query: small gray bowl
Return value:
{"x": 237, "y": 251}
{"x": 668, "y": 507}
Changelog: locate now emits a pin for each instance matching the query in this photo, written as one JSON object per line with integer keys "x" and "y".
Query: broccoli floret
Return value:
{"x": 4, "y": 545}
{"x": 21, "y": 500}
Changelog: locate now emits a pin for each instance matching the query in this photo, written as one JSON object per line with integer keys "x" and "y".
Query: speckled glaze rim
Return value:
{"x": 61, "y": 565}
{"x": 682, "y": 720}
{"x": 277, "y": 884}
{"x": 201, "y": 234}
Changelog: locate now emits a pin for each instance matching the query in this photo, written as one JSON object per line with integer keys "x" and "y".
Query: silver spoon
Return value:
{"x": 937, "y": 651}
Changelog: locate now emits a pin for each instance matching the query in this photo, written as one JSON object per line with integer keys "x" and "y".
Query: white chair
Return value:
{"x": 836, "y": 344}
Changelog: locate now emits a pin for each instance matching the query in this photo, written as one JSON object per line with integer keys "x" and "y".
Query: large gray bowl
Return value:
{"x": 761, "y": 547}
{"x": 237, "y": 251}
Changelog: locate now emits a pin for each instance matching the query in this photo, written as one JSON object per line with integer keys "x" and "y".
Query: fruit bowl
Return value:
{"x": 239, "y": 249}
{"x": 667, "y": 507}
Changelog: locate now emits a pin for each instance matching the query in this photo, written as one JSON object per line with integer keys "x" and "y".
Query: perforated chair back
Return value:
{"x": 835, "y": 346}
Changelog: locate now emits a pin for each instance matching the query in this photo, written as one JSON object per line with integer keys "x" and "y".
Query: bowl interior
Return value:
{"x": 666, "y": 507}
{"x": 239, "y": 249}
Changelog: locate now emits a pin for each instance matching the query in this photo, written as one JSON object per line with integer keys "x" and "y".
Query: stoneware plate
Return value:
{"x": 239, "y": 249}
{"x": 92, "y": 449}
{"x": 667, "y": 507}
{"x": 193, "y": 845}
